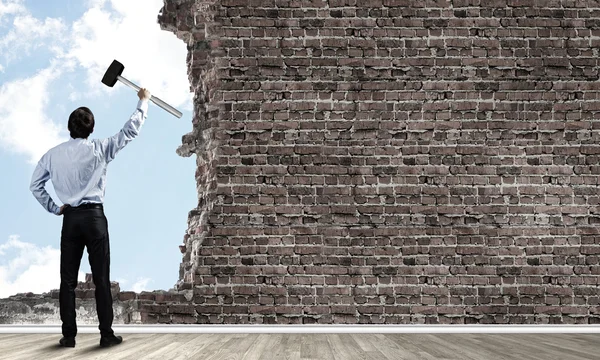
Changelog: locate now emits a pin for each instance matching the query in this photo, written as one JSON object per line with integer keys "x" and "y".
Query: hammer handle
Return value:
{"x": 153, "y": 98}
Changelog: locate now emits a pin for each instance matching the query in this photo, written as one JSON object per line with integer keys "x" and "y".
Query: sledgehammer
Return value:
{"x": 114, "y": 73}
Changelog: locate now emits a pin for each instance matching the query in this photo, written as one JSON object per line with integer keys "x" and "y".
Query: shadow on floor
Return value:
{"x": 55, "y": 346}
{"x": 97, "y": 348}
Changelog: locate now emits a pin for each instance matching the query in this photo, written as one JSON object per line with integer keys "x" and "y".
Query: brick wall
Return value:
{"x": 29, "y": 308}
{"x": 392, "y": 161}
{"x": 146, "y": 307}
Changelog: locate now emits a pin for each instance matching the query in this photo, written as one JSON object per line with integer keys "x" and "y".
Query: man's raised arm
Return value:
{"x": 112, "y": 145}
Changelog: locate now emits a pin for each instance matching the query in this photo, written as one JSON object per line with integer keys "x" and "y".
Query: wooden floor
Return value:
{"x": 308, "y": 346}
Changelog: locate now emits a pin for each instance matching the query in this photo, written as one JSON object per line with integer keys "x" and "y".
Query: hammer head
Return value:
{"x": 110, "y": 77}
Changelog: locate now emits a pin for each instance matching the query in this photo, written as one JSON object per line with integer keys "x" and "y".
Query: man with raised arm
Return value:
{"x": 77, "y": 169}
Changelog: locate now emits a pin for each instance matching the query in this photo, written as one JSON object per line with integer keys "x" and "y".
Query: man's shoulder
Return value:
{"x": 98, "y": 146}
{"x": 57, "y": 147}
{"x": 97, "y": 143}
{"x": 54, "y": 149}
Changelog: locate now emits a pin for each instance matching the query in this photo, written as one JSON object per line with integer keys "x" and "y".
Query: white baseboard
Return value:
{"x": 311, "y": 329}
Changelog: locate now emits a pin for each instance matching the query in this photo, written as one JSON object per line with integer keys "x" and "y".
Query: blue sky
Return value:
{"x": 52, "y": 57}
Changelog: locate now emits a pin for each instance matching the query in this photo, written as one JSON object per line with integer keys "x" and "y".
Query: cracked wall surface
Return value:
{"x": 146, "y": 307}
{"x": 392, "y": 161}
{"x": 29, "y": 308}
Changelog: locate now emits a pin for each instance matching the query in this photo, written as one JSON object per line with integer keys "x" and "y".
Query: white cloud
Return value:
{"x": 74, "y": 95}
{"x": 33, "y": 269}
{"x": 10, "y": 7}
{"x": 25, "y": 127}
{"x": 28, "y": 34}
{"x": 128, "y": 31}
{"x": 140, "y": 285}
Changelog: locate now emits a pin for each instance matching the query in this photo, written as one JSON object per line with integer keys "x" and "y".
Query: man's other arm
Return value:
{"x": 38, "y": 187}
{"x": 112, "y": 145}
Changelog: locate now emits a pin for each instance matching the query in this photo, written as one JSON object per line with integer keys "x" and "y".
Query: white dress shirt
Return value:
{"x": 77, "y": 167}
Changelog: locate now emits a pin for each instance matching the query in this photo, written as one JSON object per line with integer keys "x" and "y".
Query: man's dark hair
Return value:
{"x": 81, "y": 123}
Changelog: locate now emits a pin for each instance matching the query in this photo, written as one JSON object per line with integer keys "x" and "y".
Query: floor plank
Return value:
{"x": 308, "y": 347}
{"x": 269, "y": 341}
{"x": 289, "y": 348}
{"x": 195, "y": 347}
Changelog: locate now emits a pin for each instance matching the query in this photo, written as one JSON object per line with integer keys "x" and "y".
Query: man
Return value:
{"x": 77, "y": 169}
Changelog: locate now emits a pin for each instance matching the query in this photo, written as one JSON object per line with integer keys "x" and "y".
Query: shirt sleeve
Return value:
{"x": 112, "y": 145}
{"x": 38, "y": 187}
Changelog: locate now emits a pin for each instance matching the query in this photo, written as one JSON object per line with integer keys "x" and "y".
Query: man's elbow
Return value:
{"x": 130, "y": 133}
{"x": 35, "y": 190}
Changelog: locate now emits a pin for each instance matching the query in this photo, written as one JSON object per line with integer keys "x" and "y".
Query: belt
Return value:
{"x": 84, "y": 206}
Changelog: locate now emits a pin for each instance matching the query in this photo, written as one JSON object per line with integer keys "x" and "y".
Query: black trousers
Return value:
{"x": 85, "y": 226}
